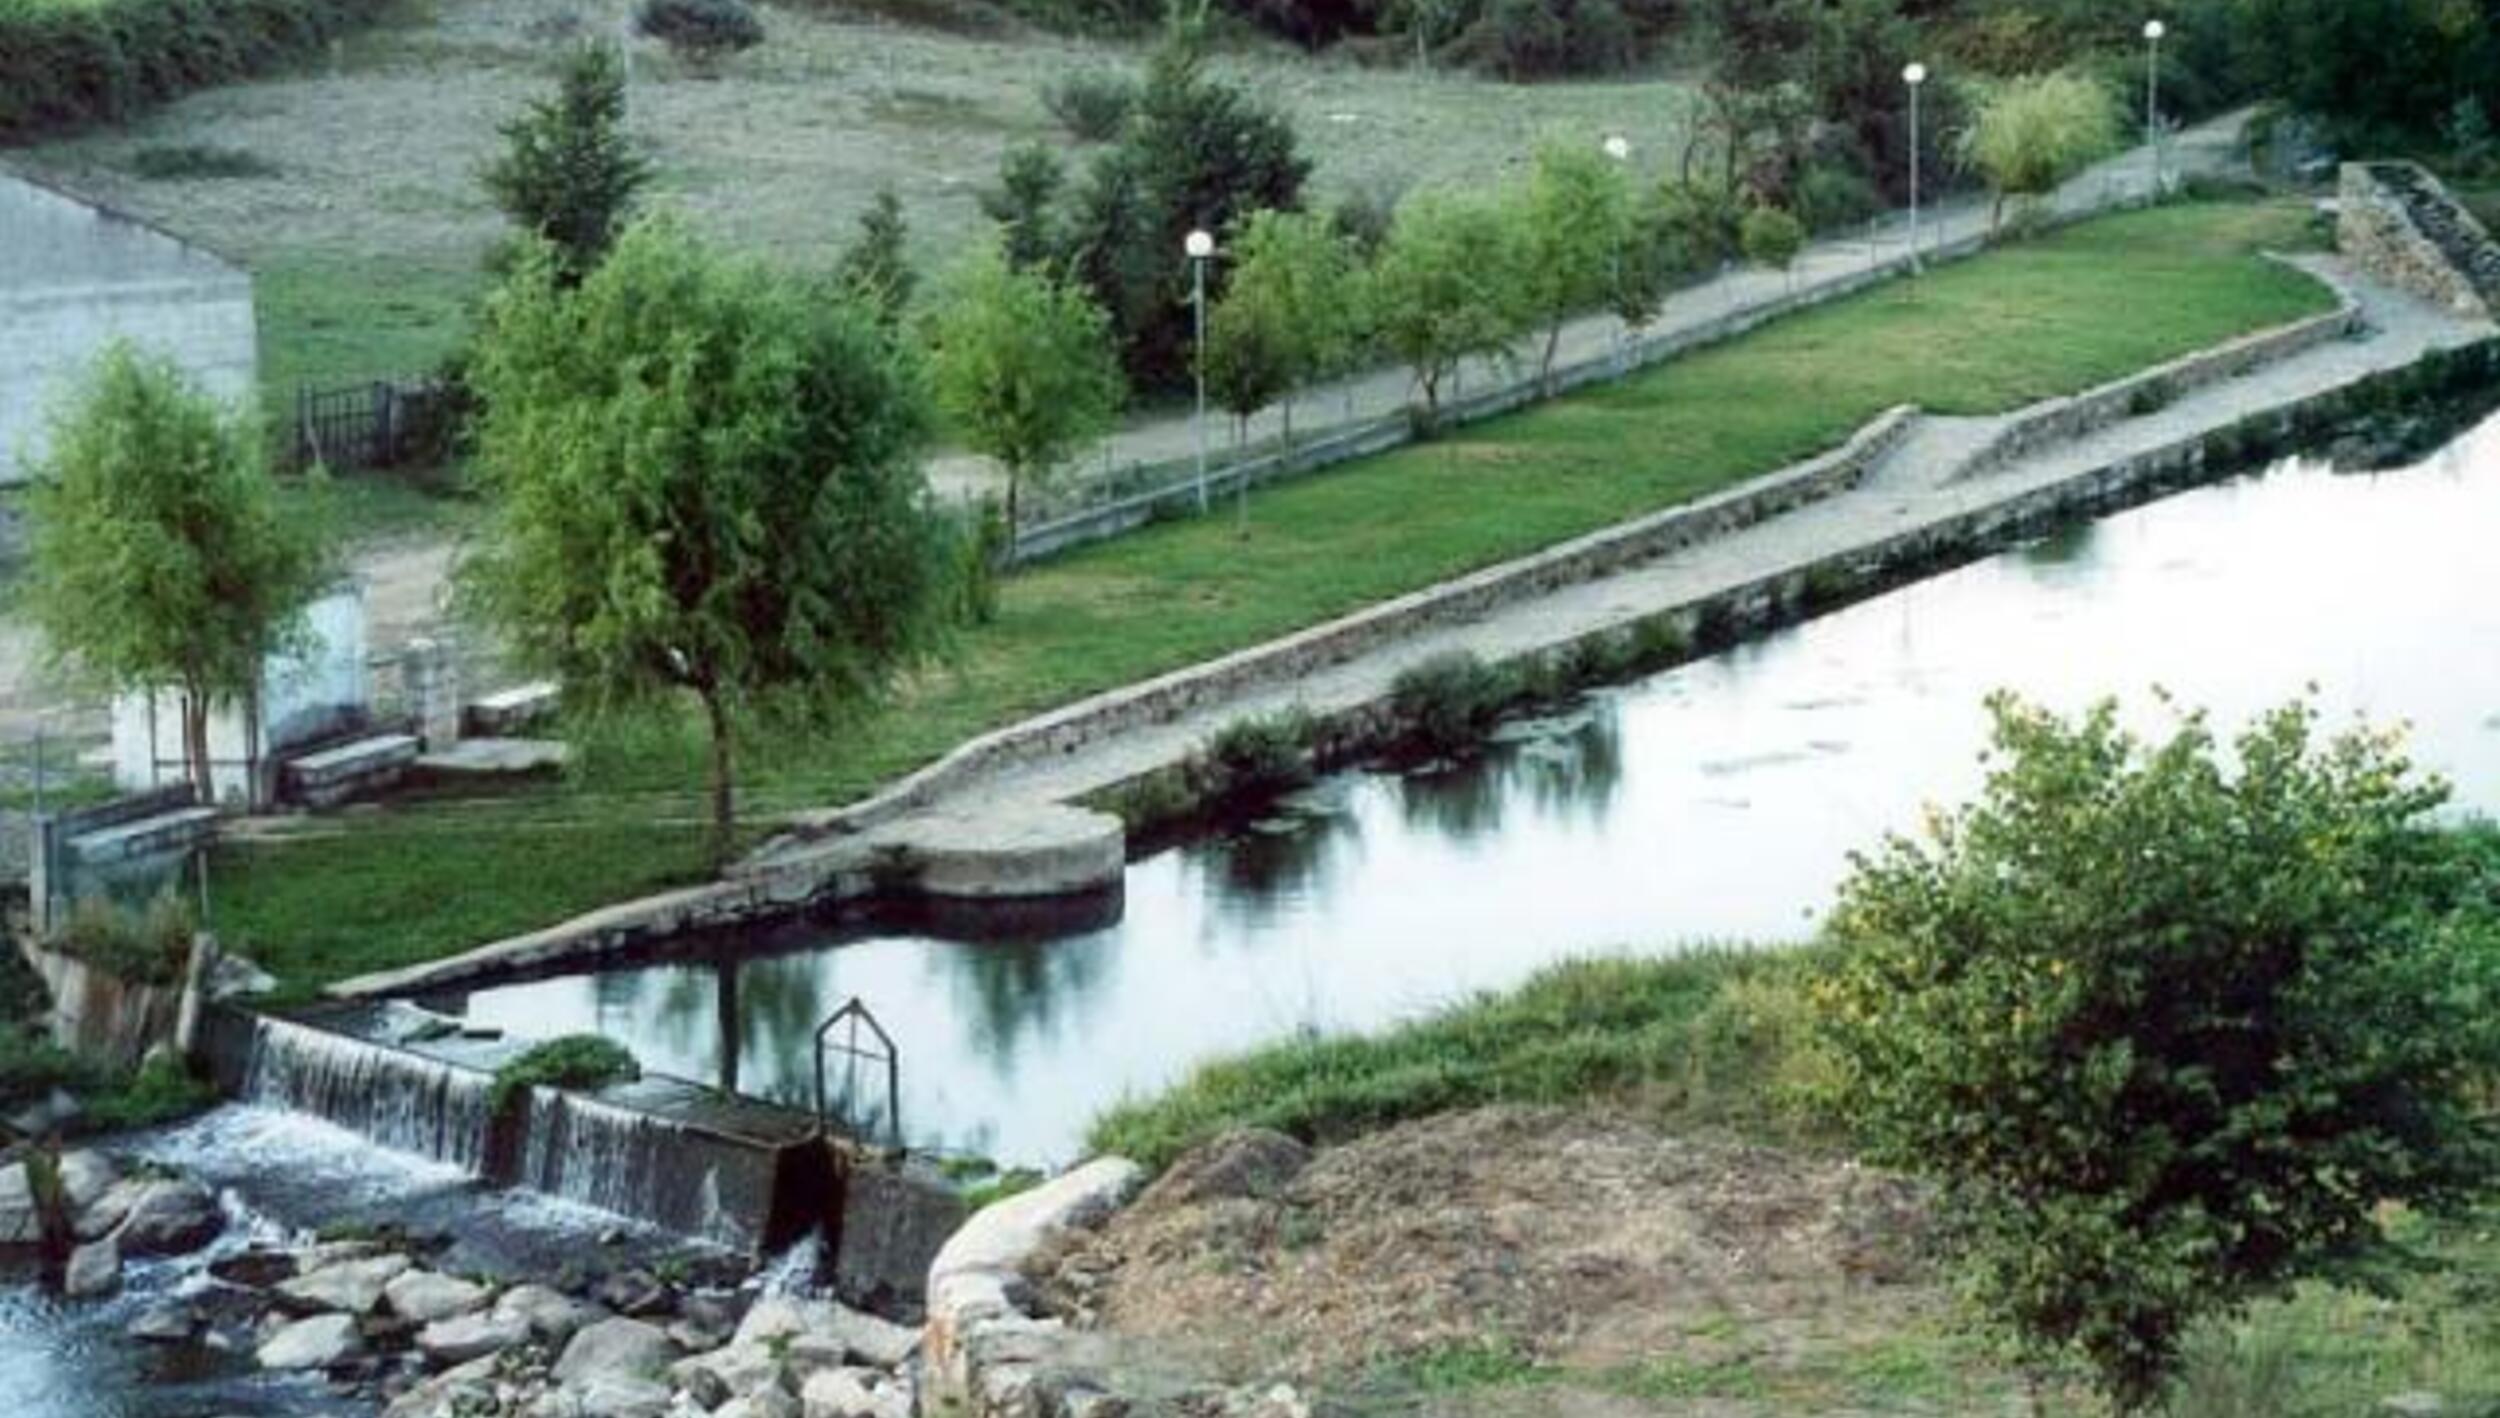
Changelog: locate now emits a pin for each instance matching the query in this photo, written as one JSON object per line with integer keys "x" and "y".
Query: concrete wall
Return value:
{"x": 75, "y": 277}
{"x": 303, "y": 697}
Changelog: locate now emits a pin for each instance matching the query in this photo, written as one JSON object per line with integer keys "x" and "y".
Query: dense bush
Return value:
{"x": 574, "y": 1061}
{"x": 1092, "y": 105}
{"x": 143, "y": 947}
{"x": 2172, "y": 1021}
{"x": 1450, "y": 702}
{"x": 1256, "y": 757}
{"x": 68, "y": 63}
{"x": 701, "y": 29}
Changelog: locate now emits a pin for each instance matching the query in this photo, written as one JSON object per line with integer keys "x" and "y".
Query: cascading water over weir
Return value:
{"x": 744, "y": 1174}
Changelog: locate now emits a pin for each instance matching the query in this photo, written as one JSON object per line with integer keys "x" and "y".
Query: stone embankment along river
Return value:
{"x": 1900, "y": 495}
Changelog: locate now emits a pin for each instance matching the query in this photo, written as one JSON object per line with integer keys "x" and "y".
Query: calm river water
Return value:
{"x": 1715, "y": 802}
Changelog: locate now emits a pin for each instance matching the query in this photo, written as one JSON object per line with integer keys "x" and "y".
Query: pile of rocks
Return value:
{"x": 99, "y": 1217}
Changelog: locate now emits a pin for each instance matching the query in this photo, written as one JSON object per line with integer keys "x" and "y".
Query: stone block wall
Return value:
{"x": 2398, "y": 222}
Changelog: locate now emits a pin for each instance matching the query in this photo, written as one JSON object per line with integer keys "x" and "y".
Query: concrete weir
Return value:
{"x": 741, "y": 1173}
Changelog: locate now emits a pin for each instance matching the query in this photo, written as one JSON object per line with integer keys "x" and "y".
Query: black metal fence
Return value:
{"x": 382, "y": 424}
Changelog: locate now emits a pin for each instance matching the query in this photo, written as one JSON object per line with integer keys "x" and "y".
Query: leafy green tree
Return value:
{"x": 1754, "y": 103}
{"x": 1023, "y": 362}
{"x": 1773, "y": 238}
{"x": 1652, "y": 253}
{"x": 1250, "y": 354}
{"x": 1447, "y": 286}
{"x": 2170, "y": 1023}
{"x": 1198, "y": 153}
{"x": 2382, "y": 73}
{"x": 568, "y": 175}
{"x": 1302, "y": 270}
{"x": 161, "y": 552}
{"x": 2033, "y": 134}
{"x": 706, "y": 487}
{"x": 1573, "y": 218}
{"x": 875, "y": 265}
{"x": 1030, "y": 177}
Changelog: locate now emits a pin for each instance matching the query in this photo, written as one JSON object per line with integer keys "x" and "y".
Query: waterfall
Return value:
{"x": 402, "y": 1100}
{"x": 663, "y": 1151}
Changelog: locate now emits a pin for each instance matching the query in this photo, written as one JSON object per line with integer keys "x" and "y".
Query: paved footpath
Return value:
{"x": 1918, "y": 484}
{"x": 2210, "y": 148}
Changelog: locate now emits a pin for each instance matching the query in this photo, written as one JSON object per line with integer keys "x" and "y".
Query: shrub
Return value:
{"x": 1829, "y": 196}
{"x": 1450, "y": 702}
{"x": 568, "y": 174}
{"x": 181, "y": 162}
{"x": 2172, "y": 1023}
{"x": 701, "y": 29}
{"x": 1257, "y": 757}
{"x": 2035, "y": 133}
{"x": 1092, "y": 106}
{"x": 142, "y": 947}
{"x": 1772, "y": 238}
{"x": 65, "y": 66}
{"x": 574, "y": 1061}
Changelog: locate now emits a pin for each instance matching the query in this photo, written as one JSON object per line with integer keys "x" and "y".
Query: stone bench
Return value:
{"x": 506, "y": 712}
{"x": 331, "y": 776}
{"x": 168, "y": 831}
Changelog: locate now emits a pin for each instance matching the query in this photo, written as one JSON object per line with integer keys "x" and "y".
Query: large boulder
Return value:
{"x": 94, "y": 1269}
{"x": 355, "y": 1287}
{"x": 467, "y": 1388}
{"x": 315, "y": 1343}
{"x": 846, "y": 1334}
{"x": 839, "y": 1393}
{"x": 86, "y": 1175}
{"x": 615, "y": 1396}
{"x": 170, "y": 1218}
{"x": 462, "y": 1338}
{"x": 763, "y": 1403}
{"x": 552, "y": 1316}
{"x": 623, "y": 1348}
{"x": 422, "y": 1296}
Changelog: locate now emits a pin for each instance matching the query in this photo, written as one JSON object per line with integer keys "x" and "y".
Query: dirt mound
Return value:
{"x": 1586, "y": 1241}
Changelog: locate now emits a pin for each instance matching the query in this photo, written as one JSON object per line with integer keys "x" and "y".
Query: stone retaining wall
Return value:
{"x": 2380, "y": 228}
{"x": 1587, "y": 558}
{"x": 2052, "y": 422}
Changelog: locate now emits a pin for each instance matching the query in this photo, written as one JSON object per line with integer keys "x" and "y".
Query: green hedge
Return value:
{"x": 68, "y": 63}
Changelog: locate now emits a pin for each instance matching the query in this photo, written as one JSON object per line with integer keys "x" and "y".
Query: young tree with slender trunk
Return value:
{"x": 706, "y": 486}
{"x": 1302, "y": 270}
{"x": 568, "y": 174}
{"x": 1023, "y": 362}
{"x": 162, "y": 554}
{"x": 1573, "y": 216}
{"x": 1447, "y": 286}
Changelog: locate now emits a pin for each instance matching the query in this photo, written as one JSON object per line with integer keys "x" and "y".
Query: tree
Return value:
{"x": 2033, "y": 134}
{"x": 1249, "y": 356}
{"x": 1197, "y": 154}
{"x": 1029, "y": 179}
{"x": 161, "y": 553}
{"x": 1752, "y": 94}
{"x": 1773, "y": 238}
{"x": 2382, "y": 73}
{"x": 1446, "y": 286}
{"x": 1652, "y": 252}
{"x": 874, "y": 266}
{"x": 567, "y": 174}
{"x": 1573, "y": 218}
{"x": 2169, "y": 1023}
{"x": 1022, "y": 360}
{"x": 705, "y": 486}
{"x": 1302, "y": 270}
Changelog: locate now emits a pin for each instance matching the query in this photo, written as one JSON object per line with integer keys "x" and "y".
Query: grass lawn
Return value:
{"x": 329, "y": 322}
{"x": 2054, "y": 316}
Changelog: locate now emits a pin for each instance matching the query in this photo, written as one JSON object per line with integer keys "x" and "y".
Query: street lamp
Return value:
{"x": 2153, "y": 31}
{"x": 1916, "y": 77}
{"x": 1199, "y": 247}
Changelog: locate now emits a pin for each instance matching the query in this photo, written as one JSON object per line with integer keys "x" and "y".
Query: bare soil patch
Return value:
{"x": 1588, "y": 1249}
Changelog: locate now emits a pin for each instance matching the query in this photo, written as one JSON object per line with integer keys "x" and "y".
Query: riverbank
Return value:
{"x": 2018, "y": 324}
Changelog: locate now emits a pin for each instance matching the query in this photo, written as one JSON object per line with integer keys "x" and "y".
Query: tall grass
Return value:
{"x": 1716, "y": 1039}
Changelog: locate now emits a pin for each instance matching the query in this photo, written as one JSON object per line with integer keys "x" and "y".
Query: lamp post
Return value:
{"x": 1619, "y": 148}
{"x": 2153, "y": 31}
{"x": 1199, "y": 246}
{"x": 1916, "y": 77}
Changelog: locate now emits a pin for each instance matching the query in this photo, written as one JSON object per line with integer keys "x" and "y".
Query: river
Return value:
{"x": 1715, "y": 802}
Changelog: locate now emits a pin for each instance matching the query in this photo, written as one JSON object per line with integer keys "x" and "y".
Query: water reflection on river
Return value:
{"x": 1715, "y": 802}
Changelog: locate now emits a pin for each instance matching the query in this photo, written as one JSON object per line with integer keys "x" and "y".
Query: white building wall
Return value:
{"x": 75, "y": 277}
{"x": 302, "y": 698}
